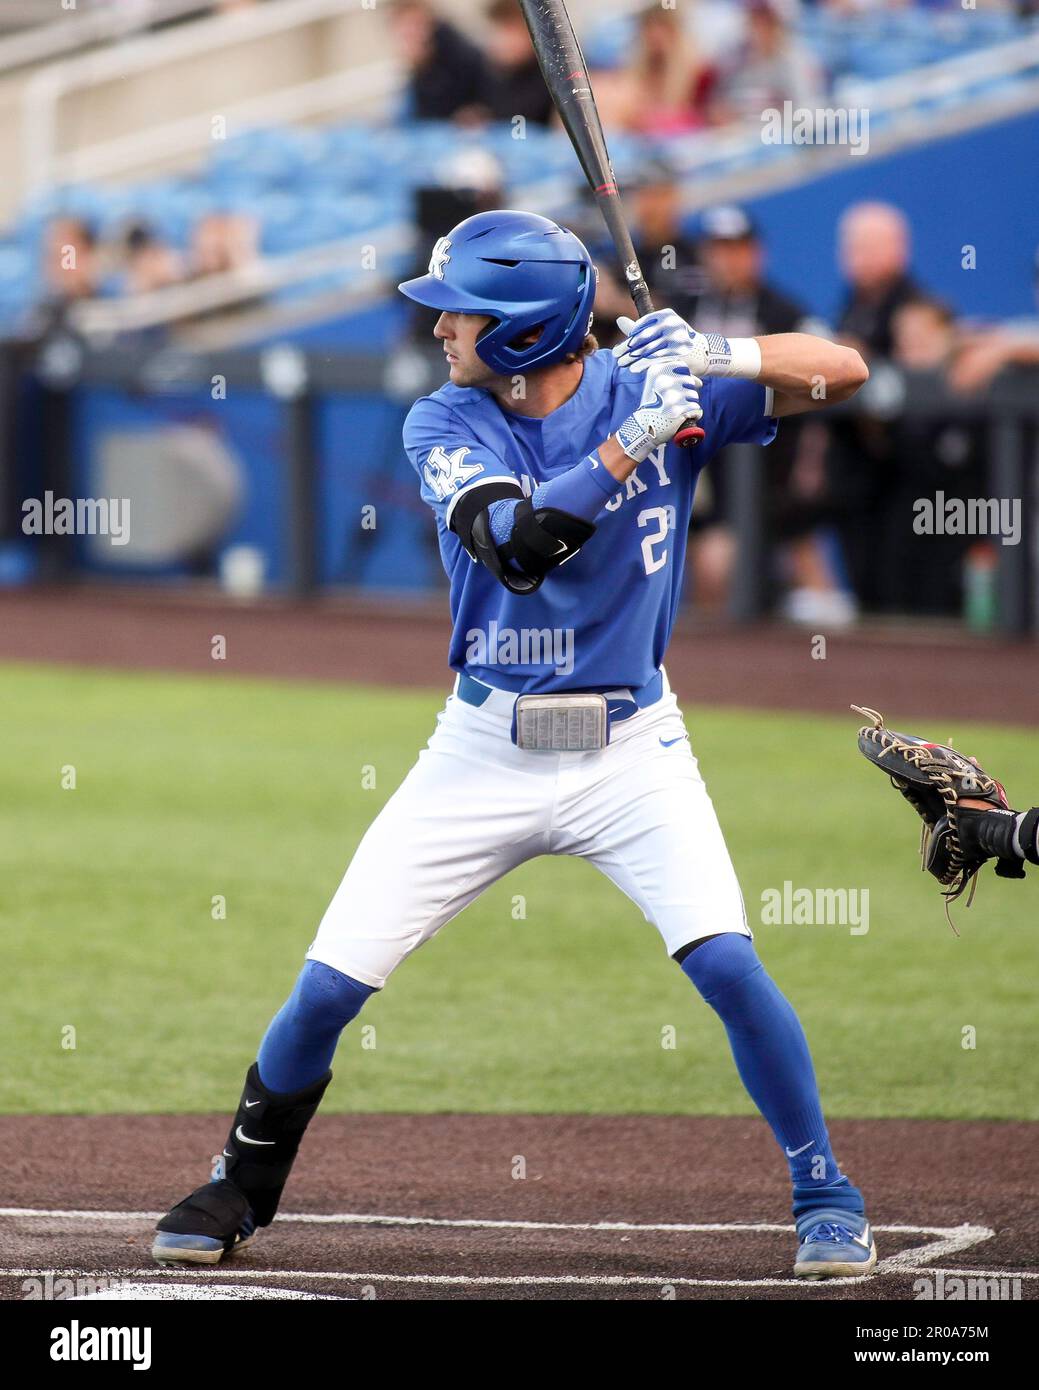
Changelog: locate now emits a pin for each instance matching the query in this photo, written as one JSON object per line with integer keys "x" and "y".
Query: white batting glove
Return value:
{"x": 669, "y": 398}
{"x": 664, "y": 333}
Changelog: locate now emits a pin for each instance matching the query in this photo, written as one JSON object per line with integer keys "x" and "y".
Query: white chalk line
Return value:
{"x": 952, "y": 1233}
{"x": 236, "y": 1275}
{"x": 950, "y": 1240}
{"x": 470, "y": 1280}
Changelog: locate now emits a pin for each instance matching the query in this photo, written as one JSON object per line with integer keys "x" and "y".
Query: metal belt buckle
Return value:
{"x": 560, "y": 723}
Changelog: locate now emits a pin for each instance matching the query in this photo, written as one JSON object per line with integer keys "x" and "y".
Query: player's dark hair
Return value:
{"x": 590, "y": 345}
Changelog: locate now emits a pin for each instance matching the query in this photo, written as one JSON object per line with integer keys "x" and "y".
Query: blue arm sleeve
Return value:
{"x": 582, "y": 491}
{"x": 736, "y": 412}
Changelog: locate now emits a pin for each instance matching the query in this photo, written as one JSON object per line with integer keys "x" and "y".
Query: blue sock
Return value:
{"x": 298, "y": 1046}
{"x": 772, "y": 1058}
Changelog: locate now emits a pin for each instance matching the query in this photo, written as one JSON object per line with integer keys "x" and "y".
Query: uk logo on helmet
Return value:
{"x": 439, "y": 259}
{"x": 445, "y": 473}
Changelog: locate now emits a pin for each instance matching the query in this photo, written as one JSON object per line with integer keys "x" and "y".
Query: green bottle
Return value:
{"x": 980, "y": 605}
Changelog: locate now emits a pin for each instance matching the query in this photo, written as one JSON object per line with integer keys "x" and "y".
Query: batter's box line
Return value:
{"x": 950, "y": 1240}
{"x": 237, "y": 1274}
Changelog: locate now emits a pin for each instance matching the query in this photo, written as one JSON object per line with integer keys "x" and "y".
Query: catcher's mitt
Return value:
{"x": 932, "y": 778}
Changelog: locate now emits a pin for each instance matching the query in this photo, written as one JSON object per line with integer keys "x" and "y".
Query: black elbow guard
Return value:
{"x": 540, "y": 541}
{"x": 474, "y": 502}
{"x": 491, "y": 557}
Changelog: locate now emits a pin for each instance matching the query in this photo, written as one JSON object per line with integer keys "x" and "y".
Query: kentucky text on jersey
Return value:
{"x": 619, "y": 595}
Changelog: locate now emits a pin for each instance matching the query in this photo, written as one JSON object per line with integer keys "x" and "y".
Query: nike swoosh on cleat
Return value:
{"x": 865, "y": 1240}
{"x": 246, "y": 1140}
{"x": 667, "y": 742}
{"x": 792, "y": 1153}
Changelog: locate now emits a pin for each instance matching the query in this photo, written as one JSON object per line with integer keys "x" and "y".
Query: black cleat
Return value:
{"x": 205, "y": 1227}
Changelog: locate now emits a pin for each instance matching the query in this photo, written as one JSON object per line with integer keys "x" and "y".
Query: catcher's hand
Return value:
{"x": 950, "y": 793}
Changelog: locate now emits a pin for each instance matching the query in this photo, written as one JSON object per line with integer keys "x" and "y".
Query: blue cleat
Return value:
{"x": 835, "y": 1244}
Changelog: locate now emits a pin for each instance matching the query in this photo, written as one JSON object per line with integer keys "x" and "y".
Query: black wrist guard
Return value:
{"x": 1027, "y": 837}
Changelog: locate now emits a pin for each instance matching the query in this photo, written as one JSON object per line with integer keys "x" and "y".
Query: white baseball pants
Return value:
{"x": 475, "y": 806}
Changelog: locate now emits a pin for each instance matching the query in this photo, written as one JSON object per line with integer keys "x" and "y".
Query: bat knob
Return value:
{"x": 689, "y": 436}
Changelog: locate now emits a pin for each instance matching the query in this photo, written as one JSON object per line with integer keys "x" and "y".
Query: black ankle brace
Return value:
{"x": 265, "y": 1134}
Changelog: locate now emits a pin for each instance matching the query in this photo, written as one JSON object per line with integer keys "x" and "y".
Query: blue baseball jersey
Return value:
{"x": 603, "y": 619}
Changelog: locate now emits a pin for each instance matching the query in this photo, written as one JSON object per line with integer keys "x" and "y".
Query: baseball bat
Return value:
{"x": 563, "y": 68}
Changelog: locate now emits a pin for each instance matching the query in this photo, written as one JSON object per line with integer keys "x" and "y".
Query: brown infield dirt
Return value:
{"x": 901, "y": 669}
{"x": 435, "y": 1208}
{"x": 427, "y": 1191}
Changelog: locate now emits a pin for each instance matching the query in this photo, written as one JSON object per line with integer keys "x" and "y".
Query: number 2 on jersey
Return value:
{"x": 662, "y": 517}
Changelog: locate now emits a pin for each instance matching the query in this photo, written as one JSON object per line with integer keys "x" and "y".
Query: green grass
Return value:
{"x": 187, "y": 788}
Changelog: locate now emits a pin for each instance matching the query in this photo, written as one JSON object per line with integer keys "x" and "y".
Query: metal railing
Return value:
{"x": 104, "y": 318}
{"x": 78, "y": 29}
{"x": 908, "y": 99}
{"x": 300, "y": 380}
{"x": 908, "y": 95}
{"x": 43, "y": 166}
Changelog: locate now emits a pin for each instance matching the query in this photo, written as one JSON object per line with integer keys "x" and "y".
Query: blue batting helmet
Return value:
{"x": 524, "y": 272}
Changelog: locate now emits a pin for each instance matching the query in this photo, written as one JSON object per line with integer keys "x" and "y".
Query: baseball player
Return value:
{"x": 562, "y": 507}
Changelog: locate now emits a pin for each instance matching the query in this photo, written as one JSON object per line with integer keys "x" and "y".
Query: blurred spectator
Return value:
{"x": 71, "y": 271}
{"x": 668, "y": 256}
{"x": 737, "y": 300}
{"x": 874, "y": 249}
{"x": 515, "y": 86}
{"x": 447, "y": 74}
{"x": 665, "y": 88}
{"x": 70, "y": 260}
{"x": 923, "y": 334}
{"x": 984, "y": 355}
{"x": 924, "y": 573}
{"x": 221, "y": 242}
{"x": 769, "y": 68}
{"x": 148, "y": 263}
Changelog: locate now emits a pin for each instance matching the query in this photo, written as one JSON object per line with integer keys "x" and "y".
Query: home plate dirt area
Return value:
{"x": 515, "y": 1206}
